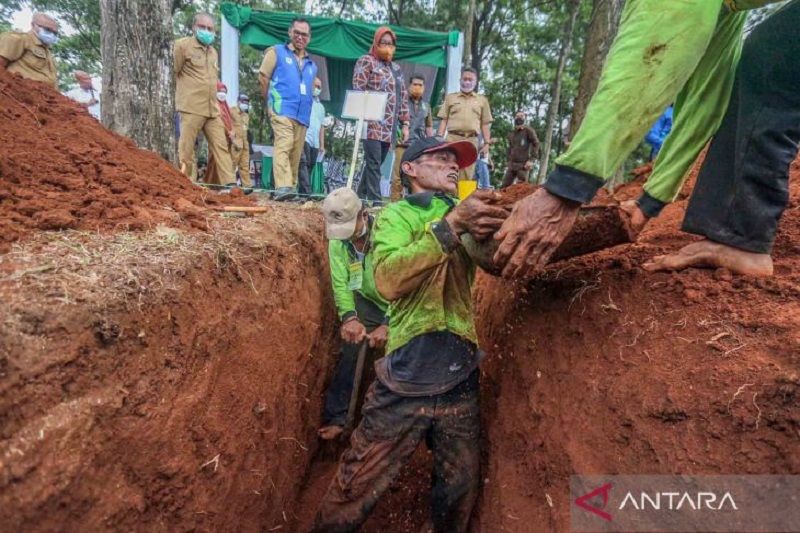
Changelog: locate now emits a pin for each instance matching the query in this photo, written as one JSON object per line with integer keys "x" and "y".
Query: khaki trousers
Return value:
{"x": 397, "y": 184}
{"x": 241, "y": 160}
{"x": 469, "y": 172}
{"x": 214, "y": 131}
{"x": 290, "y": 137}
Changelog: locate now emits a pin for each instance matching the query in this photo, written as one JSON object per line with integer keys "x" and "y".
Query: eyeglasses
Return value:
{"x": 301, "y": 34}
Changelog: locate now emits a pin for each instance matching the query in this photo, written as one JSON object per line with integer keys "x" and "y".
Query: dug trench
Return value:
{"x": 173, "y": 380}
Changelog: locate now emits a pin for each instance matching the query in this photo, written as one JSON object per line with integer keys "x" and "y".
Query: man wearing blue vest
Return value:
{"x": 287, "y": 81}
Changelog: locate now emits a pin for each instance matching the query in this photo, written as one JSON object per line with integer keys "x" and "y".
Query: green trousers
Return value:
{"x": 681, "y": 51}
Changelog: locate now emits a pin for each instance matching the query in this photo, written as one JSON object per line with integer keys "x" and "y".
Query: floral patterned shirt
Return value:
{"x": 372, "y": 74}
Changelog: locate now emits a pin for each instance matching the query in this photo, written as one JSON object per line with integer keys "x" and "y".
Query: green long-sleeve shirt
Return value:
{"x": 429, "y": 288}
{"x": 683, "y": 52}
{"x": 350, "y": 274}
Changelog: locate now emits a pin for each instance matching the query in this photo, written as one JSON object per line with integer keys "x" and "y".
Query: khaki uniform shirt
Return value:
{"x": 465, "y": 113}
{"x": 28, "y": 57}
{"x": 196, "y": 75}
{"x": 241, "y": 121}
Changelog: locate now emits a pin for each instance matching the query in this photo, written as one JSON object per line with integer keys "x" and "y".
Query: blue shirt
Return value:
{"x": 317, "y": 116}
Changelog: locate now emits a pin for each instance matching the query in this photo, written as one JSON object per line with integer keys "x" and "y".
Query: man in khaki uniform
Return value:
{"x": 287, "y": 77}
{"x": 466, "y": 114}
{"x": 240, "y": 148}
{"x": 196, "y": 75}
{"x": 28, "y": 54}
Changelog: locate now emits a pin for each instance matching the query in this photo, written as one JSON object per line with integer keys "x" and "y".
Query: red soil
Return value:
{"x": 195, "y": 408}
{"x": 61, "y": 169}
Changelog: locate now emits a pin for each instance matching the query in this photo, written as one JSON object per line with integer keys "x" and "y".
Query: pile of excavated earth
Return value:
{"x": 162, "y": 367}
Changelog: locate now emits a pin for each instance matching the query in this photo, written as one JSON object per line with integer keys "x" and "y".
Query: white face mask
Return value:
{"x": 244, "y": 107}
{"x": 221, "y": 96}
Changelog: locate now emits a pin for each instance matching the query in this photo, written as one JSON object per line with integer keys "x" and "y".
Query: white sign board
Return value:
{"x": 366, "y": 105}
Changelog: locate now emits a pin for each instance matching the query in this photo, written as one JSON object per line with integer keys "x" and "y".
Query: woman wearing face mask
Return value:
{"x": 376, "y": 71}
{"x": 212, "y": 170}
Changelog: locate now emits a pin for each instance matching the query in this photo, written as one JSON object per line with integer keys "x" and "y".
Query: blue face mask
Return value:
{"x": 47, "y": 37}
{"x": 204, "y": 36}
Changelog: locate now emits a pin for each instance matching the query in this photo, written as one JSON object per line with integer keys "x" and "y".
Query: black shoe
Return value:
{"x": 283, "y": 194}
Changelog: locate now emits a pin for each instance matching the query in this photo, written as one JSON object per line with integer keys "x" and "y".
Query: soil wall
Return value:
{"x": 184, "y": 397}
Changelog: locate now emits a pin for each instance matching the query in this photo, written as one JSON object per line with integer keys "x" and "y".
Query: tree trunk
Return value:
{"x": 555, "y": 92}
{"x": 602, "y": 30}
{"x": 468, "y": 34}
{"x": 138, "y": 98}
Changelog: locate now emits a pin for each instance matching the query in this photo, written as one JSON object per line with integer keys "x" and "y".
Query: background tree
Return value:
{"x": 138, "y": 98}
{"x": 602, "y": 30}
{"x": 573, "y": 8}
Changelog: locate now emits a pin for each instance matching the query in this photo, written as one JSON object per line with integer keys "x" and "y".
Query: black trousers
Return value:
{"x": 374, "y": 154}
{"x": 743, "y": 186}
{"x": 337, "y": 397}
{"x": 308, "y": 158}
{"x": 392, "y": 428}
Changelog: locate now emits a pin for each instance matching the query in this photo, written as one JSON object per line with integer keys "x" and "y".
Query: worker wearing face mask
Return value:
{"x": 315, "y": 141}
{"x": 196, "y": 73}
{"x": 240, "y": 147}
{"x": 465, "y": 115}
{"x": 28, "y": 53}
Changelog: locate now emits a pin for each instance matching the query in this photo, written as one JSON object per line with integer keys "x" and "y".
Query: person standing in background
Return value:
{"x": 28, "y": 53}
{"x": 465, "y": 115}
{"x": 315, "y": 141}
{"x": 420, "y": 126}
{"x": 196, "y": 73}
{"x": 85, "y": 94}
{"x": 240, "y": 146}
{"x": 523, "y": 150}
{"x": 376, "y": 71}
{"x": 287, "y": 77}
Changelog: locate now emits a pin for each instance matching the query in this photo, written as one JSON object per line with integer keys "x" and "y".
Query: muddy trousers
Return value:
{"x": 684, "y": 52}
{"x": 337, "y": 397}
{"x": 743, "y": 186}
{"x": 392, "y": 428}
{"x": 214, "y": 130}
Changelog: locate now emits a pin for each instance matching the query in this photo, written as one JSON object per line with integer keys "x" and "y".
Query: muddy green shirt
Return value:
{"x": 350, "y": 274}
{"x": 428, "y": 288}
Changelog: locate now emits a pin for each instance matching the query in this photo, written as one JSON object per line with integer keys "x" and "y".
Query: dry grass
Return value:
{"x": 132, "y": 269}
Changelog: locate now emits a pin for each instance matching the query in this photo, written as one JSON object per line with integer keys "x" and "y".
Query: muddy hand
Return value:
{"x": 538, "y": 224}
{"x": 377, "y": 339}
{"x": 636, "y": 217}
{"x": 353, "y": 331}
{"x": 479, "y": 215}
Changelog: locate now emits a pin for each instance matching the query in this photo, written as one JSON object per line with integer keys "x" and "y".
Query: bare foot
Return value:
{"x": 713, "y": 255}
{"x": 330, "y": 432}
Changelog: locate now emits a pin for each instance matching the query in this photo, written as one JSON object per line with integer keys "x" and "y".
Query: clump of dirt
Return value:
{"x": 61, "y": 169}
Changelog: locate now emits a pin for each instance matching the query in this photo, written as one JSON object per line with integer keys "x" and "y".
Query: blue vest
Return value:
{"x": 285, "y": 97}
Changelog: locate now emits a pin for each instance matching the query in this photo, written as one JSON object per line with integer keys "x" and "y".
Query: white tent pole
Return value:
{"x": 455, "y": 55}
{"x": 229, "y": 55}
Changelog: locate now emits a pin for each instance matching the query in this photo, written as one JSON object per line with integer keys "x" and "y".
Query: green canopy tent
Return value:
{"x": 335, "y": 46}
{"x": 339, "y": 43}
